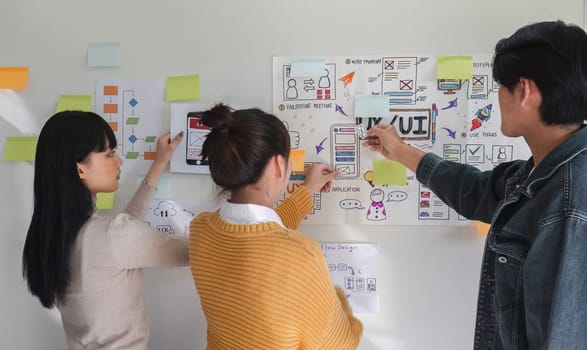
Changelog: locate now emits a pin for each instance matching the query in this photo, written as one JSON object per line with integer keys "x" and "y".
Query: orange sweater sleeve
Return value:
{"x": 329, "y": 322}
{"x": 344, "y": 332}
{"x": 328, "y": 319}
{"x": 295, "y": 208}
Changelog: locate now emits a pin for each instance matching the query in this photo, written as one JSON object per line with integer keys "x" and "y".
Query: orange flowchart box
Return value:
{"x": 114, "y": 126}
{"x": 110, "y": 90}
{"x": 110, "y": 108}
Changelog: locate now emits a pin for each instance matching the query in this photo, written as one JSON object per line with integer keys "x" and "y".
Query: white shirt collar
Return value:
{"x": 248, "y": 214}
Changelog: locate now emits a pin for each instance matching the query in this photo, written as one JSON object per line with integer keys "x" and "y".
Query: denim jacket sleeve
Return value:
{"x": 473, "y": 193}
{"x": 556, "y": 295}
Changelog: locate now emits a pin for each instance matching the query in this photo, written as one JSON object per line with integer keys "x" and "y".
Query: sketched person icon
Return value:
{"x": 376, "y": 210}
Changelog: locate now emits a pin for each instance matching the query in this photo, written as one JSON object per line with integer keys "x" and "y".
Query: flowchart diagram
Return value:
{"x": 133, "y": 109}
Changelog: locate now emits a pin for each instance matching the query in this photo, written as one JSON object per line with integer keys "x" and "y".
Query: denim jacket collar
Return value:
{"x": 555, "y": 159}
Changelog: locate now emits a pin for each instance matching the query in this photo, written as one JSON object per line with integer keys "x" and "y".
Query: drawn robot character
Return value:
{"x": 376, "y": 210}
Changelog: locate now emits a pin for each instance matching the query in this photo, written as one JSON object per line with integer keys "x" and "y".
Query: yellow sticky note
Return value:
{"x": 105, "y": 200}
{"x": 297, "y": 157}
{"x": 481, "y": 227}
{"x": 454, "y": 67}
{"x": 14, "y": 77}
{"x": 388, "y": 172}
{"x": 185, "y": 87}
{"x": 75, "y": 103}
{"x": 20, "y": 148}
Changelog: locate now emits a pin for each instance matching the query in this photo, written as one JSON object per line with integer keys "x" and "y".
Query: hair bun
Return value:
{"x": 219, "y": 116}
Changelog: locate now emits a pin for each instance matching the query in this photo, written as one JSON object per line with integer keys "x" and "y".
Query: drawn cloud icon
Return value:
{"x": 165, "y": 209}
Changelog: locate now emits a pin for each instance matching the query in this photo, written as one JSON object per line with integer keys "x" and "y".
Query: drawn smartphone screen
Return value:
{"x": 345, "y": 150}
{"x": 196, "y": 132}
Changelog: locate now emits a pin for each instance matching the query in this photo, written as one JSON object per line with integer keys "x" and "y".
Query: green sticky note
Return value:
{"x": 388, "y": 172}
{"x": 105, "y": 200}
{"x": 20, "y": 148}
{"x": 454, "y": 67}
{"x": 150, "y": 138}
{"x": 74, "y": 103}
{"x": 185, "y": 87}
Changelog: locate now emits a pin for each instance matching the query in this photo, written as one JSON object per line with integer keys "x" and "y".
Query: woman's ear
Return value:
{"x": 80, "y": 170}
{"x": 281, "y": 166}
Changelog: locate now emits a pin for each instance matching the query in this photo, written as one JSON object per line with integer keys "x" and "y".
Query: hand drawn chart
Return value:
{"x": 330, "y": 107}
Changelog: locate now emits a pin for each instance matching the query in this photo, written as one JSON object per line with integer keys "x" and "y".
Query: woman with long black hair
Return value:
{"x": 88, "y": 265}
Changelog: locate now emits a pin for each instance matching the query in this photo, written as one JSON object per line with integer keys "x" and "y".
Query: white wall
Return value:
{"x": 428, "y": 277}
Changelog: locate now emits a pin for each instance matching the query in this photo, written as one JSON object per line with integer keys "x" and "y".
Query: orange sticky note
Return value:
{"x": 14, "y": 77}
{"x": 481, "y": 227}
{"x": 297, "y": 157}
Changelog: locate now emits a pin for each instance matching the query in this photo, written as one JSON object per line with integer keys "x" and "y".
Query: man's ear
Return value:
{"x": 531, "y": 96}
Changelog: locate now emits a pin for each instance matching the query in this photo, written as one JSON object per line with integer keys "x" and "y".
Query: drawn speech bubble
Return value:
{"x": 396, "y": 196}
{"x": 350, "y": 204}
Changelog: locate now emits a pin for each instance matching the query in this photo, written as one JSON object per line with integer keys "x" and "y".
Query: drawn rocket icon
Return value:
{"x": 482, "y": 116}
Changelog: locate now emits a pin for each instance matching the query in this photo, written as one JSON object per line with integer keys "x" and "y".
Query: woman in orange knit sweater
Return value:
{"x": 262, "y": 284}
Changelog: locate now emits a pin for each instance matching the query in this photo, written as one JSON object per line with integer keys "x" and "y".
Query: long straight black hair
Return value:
{"x": 62, "y": 202}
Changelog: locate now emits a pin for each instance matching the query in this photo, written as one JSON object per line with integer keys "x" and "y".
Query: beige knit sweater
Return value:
{"x": 104, "y": 307}
{"x": 263, "y": 286}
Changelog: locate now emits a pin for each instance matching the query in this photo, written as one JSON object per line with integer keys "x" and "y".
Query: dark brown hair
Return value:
{"x": 241, "y": 143}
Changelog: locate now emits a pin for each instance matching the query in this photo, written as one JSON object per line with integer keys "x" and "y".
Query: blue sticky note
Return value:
{"x": 371, "y": 106}
{"x": 307, "y": 67}
{"x": 104, "y": 55}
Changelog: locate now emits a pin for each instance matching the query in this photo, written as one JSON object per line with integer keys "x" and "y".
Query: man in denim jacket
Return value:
{"x": 533, "y": 289}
